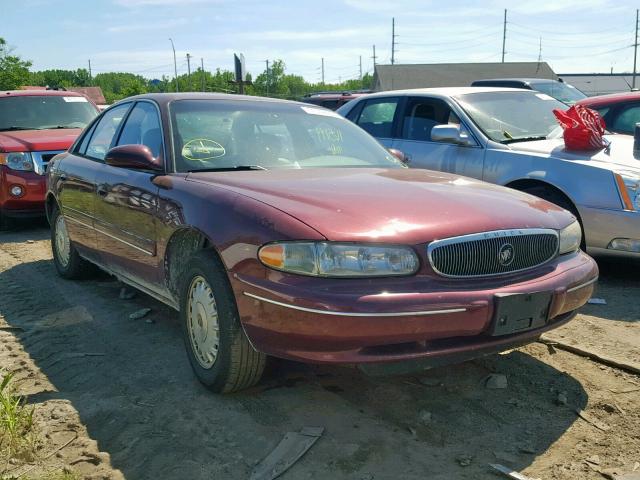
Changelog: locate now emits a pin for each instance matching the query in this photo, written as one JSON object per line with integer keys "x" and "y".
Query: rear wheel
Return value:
{"x": 68, "y": 262}
{"x": 218, "y": 349}
{"x": 559, "y": 199}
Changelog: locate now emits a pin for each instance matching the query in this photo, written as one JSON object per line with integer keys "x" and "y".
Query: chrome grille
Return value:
{"x": 42, "y": 159}
{"x": 493, "y": 253}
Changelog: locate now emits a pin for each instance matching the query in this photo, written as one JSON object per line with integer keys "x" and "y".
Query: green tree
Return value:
{"x": 14, "y": 72}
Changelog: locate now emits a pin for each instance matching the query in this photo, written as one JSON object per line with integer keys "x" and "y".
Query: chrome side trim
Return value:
{"x": 582, "y": 285}
{"x": 151, "y": 254}
{"x": 74, "y": 220}
{"x": 356, "y": 314}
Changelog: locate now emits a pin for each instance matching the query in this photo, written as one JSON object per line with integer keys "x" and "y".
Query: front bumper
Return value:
{"x": 601, "y": 226}
{"x": 31, "y": 202}
{"x": 440, "y": 320}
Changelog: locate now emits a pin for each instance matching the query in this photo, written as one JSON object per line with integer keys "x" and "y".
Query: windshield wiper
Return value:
{"x": 7, "y": 129}
{"x": 524, "y": 139}
{"x": 228, "y": 169}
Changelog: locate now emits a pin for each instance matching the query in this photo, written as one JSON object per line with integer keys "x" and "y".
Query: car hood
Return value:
{"x": 619, "y": 154}
{"x": 38, "y": 140}
{"x": 390, "y": 205}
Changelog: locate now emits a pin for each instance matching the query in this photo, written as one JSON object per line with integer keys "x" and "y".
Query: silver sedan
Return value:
{"x": 511, "y": 137}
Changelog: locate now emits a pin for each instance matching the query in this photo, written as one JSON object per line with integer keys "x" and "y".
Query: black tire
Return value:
{"x": 559, "y": 199}
{"x": 76, "y": 267}
{"x": 237, "y": 364}
{"x": 5, "y": 223}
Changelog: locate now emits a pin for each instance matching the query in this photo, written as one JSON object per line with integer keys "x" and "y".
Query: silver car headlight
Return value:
{"x": 570, "y": 238}
{"x": 629, "y": 188}
{"x": 17, "y": 161}
{"x": 329, "y": 259}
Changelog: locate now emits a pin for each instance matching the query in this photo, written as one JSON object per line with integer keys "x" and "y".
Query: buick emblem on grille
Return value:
{"x": 505, "y": 254}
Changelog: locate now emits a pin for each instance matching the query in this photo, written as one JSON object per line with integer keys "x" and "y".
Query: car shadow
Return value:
{"x": 25, "y": 229}
{"x": 618, "y": 285}
{"x": 133, "y": 388}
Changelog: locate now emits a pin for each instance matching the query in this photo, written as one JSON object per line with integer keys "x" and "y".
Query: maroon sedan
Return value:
{"x": 279, "y": 228}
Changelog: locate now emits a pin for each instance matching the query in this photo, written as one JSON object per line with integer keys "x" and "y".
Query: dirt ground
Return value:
{"x": 116, "y": 398}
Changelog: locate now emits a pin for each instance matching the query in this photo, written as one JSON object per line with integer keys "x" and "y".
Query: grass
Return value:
{"x": 17, "y": 438}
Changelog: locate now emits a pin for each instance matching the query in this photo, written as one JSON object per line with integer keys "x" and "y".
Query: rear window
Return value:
{"x": 41, "y": 112}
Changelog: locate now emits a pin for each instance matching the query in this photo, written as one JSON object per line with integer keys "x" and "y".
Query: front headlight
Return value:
{"x": 570, "y": 238}
{"x": 629, "y": 187}
{"x": 17, "y": 161}
{"x": 328, "y": 259}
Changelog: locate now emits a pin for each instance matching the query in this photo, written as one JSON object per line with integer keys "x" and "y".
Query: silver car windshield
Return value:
{"x": 212, "y": 135}
{"x": 513, "y": 116}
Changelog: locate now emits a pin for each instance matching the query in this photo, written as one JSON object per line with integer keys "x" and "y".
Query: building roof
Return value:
{"x": 394, "y": 77}
{"x": 92, "y": 93}
{"x": 601, "y": 83}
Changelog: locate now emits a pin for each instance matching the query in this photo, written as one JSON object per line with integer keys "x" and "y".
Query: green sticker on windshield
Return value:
{"x": 202, "y": 149}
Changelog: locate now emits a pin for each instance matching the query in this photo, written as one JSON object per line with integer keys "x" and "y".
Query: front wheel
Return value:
{"x": 218, "y": 349}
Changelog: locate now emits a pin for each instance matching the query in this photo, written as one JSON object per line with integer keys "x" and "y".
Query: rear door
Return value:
{"x": 77, "y": 175}
{"x": 418, "y": 117}
{"x": 127, "y": 202}
{"x": 379, "y": 117}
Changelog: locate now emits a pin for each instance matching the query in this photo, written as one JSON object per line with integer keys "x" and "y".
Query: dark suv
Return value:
{"x": 332, "y": 100}
{"x": 557, "y": 89}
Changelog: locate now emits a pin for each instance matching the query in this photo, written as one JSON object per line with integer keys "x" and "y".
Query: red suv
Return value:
{"x": 35, "y": 125}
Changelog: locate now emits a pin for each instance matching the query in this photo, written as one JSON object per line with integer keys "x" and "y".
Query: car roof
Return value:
{"x": 518, "y": 79}
{"x": 165, "y": 98}
{"x": 39, "y": 93}
{"x": 610, "y": 98}
{"x": 445, "y": 91}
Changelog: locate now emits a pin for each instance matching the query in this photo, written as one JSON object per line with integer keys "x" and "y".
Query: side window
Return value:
{"x": 355, "y": 111}
{"x": 627, "y": 119}
{"x": 143, "y": 128}
{"x": 82, "y": 148}
{"x": 377, "y": 116}
{"x": 103, "y": 133}
{"x": 422, "y": 114}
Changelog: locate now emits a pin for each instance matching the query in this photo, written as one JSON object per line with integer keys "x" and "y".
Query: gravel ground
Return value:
{"x": 115, "y": 397}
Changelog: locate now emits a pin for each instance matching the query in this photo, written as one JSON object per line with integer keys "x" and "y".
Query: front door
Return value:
{"x": 379, "y": 117}
{"x": 419, "y": 116}
{"x": 127, "y": 204}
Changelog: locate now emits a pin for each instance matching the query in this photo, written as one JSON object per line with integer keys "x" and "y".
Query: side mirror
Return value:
{"x": 451, "y": 133}
{"x": 400, "y": 155}
{"x": 136, "y": 157}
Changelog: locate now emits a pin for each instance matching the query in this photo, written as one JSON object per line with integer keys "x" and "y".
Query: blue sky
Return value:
{"x": 132, "y": 35}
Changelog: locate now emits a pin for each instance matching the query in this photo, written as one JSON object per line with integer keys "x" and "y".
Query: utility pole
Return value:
{"x": 90, "y": 80}
{"x": 393, "y": 40}
{"x": 189, "y": 70}
{"x": 374, "y": 56}
{"x": 322, "y": 70}
{"x": 175, "y": 64}
{"x": 202, "y": 71}
{"x": 540, "y": 51}
{"x": 635, "y": 53}
{"x": 267, "y": 82}
{"x": 360, "y": 71}
{"x": 504, "y": 34}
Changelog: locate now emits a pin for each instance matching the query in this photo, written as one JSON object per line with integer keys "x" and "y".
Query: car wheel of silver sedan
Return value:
{"x": 218, "y": 349}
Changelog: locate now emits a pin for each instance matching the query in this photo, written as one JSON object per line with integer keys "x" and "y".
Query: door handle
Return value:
{"x": 102, "y": 191}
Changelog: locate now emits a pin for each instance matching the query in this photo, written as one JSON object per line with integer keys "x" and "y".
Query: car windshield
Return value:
{"x": 561, "y": 91}
{"x": 227, "y": 135}
{"x": 41, "y": 112}
{"x": 513, "y": 116}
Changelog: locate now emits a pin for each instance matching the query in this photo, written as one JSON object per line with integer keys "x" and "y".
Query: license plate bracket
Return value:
{"x": 519, "y": 312}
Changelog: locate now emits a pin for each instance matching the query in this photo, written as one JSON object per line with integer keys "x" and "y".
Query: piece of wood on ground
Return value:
{"x": 597, "y": 301}
{"x": 598, "y": 357}
{"x": 587, "y": 417}
{"x": 290, "y": 449}
{"x": 509, "y": 473}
